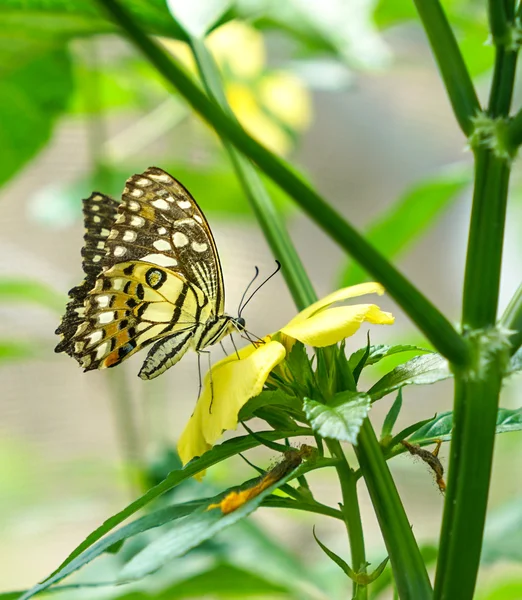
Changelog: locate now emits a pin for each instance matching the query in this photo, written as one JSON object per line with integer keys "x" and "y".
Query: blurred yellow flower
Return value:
{"x": 234, "y": 380}
{"x": 271, "y": 105}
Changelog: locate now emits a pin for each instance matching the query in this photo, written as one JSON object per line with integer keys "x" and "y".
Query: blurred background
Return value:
{"x": 348, "y": 92}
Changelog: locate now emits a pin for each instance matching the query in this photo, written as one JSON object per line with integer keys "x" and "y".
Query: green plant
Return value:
{"x": 321, "y": 397}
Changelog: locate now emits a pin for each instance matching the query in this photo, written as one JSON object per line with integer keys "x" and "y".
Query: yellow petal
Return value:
{"x": 234, "y": 382}
{"x": 333, "y": 325}
{"x": 287, "y": 98}
{"x": 344, "y": 294}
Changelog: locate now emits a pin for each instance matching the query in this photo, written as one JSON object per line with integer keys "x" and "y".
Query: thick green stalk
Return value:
{"x": 351, "y": 515}
{"x": 475, "y": 412}
{"x": 512, "y": 320}
{"x": 408, "y": 566}
{"x": 477, "y": 386}
{"x": 427, "y": 317}
{"x": 457, "y": 80}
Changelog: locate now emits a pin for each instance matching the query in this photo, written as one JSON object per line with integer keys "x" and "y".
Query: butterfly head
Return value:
{"x": 239, "y": 323}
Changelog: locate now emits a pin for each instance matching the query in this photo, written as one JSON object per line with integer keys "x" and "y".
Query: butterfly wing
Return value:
{"x": 160, "y": 278}
{"x": 99, "y": 212}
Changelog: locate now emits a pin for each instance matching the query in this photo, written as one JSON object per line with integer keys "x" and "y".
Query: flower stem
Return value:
{"x": 427, "y": 317}
{"x": 408, "y": 566}
{"x": 351, "y": 515}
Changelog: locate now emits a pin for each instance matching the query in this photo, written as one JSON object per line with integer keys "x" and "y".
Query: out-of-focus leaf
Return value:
{"x": 440, "y": 427}
{"x": 515, "y": 364}
{"x": 341, "y": 418}
{"x": 201, "y": 525}
{"x": 11, "y": 350}
{"x": 408, "y": 218}
{"x": 220, "y": 581}
{"x": 48, "y": 21}
{"x": 35, "y": 292}
{"x": 421, "y": 370}
{"x": 212, "y": 457}
{"x": 31, "y": 98}
{"x": 377, "y": 353}
{"x": 503, "y": 534}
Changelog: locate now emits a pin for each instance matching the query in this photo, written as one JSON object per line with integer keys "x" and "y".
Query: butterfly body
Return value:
{"x": 152, "y": 277}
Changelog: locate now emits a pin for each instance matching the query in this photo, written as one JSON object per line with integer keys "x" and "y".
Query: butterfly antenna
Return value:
{"x": 239, "y": 309}
{"x": 259, "y": 286}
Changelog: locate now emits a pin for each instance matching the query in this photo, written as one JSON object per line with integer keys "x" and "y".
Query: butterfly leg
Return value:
{"x": 223, "y": 348}
{"x": 235, "y": 347}
{"x": 207, "y": 352}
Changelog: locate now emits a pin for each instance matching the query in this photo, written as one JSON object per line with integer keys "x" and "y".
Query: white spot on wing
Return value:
{"x": 133, "y": 205}
{"x": 96, "y": 219}
{"x": 105, "y": 232}
{"x": 103, "y": 301}
{"x": 96, "y": 258}
{"x": 137, "y": 221}
{"x": 113, "y": 234}
{"x": 137, "y": 193}
{"x": 118, "y": 283}
{"x": 197, "y": 247}
{"x": 184, "y": 204}
{"x": 129, "y": 236}
{"x": 162, "y": 245}
{"x": 161, "y": 260}
{"x": 143, "y": 182}
{"x": 163, "y": 177}
{"x": 198, "y": 219}
{"x": 100, "y": 245}
{"x": 105, "y": 317}
{"x": 94, "y": 337}
{"x": 101, "y": 350}
{"x": 160, "y": 203}
{"x": 180, "y": 239}
{"x": 162, "y": 230}
{"x": 119, "y": 251}
{"x": 95, "y": 207}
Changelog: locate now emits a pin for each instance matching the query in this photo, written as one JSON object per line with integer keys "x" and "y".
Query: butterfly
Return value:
{"x": 152, "y": 276}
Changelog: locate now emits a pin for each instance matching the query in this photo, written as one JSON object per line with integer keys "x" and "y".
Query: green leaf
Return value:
{"x": 35, "y": 292}
{"x": 203, "y": 524}
{"x": 409, "y": 217}
{"x": 267, "y": 398}
{"x": 151, "y": 521}
{"x": 391, "y": 417}
{"x": 380, "y": 351}
{"x": 515, "y": 364}
{"x": 440, "y": 427}
{"x": 212, "y": 457}
{"x": 341, "y": 418}
{"x": 335, "y": 558}
{"x": 32, "y": 96}
{"x": 421, "y": 370}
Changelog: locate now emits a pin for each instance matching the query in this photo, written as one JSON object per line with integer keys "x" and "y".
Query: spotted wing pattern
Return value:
{"x": 159, "y": 279}
{"x": 99, "y": 213}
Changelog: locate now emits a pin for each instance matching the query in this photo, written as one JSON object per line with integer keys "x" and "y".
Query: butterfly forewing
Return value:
{"x": 99, "y": 213}
{"x": 158, "y": 280}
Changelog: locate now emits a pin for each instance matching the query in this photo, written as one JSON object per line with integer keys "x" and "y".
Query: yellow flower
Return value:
{"x": 233, "y": 381}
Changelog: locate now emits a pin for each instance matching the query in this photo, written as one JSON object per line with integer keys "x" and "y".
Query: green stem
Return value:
{"x": 408, "y": 566}
{"x": 477, "y": 387}
{"x": 351, "y": 515}
{"x": 475, "y": 412}
{"x": 498, "y": 22}
{"x": 486, "y": 234}
{"x": 428, "y": 318}
{"x": 457, "y": 80}
{"x": 512, "y": 320}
